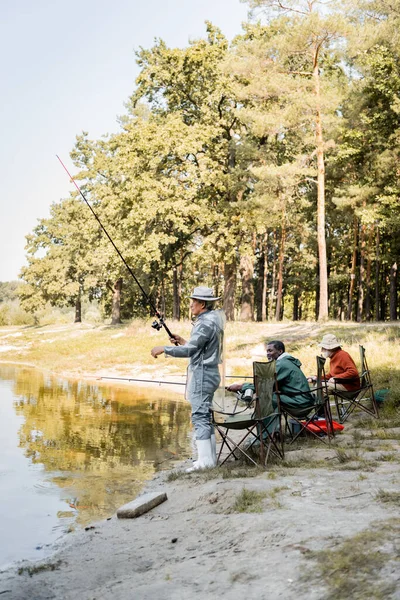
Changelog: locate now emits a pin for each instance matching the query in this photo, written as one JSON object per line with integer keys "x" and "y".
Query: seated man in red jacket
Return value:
{"x": 341, "y": 366}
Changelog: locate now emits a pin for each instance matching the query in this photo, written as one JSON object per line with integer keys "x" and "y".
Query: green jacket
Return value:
{"x": 292, "y": 381}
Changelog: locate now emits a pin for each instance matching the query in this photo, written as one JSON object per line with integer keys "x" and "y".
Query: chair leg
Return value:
{"x": 287, "y": 428}
{"x": 224, "y": 442}
{"x": 329, "y": 420}
{"x": 275, "y": 443}
{"x": 236, "y": 446}
{"x": 262, "y": 453}
{"x": 304, "y": 427}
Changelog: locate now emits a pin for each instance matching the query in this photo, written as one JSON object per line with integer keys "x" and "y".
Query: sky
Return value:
{"x": 68, "y": 67}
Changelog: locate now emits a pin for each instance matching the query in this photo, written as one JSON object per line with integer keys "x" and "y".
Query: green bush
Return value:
{"x": 12, "y": 314}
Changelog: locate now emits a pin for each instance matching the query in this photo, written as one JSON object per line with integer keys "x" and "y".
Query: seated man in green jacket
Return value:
{"x": 292, "y": 383}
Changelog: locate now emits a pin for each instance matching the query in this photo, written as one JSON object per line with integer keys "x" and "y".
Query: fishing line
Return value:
{"x": 170, "y": 382}
{"x": 156, "y": 324}
{"x": 145, "y": 380}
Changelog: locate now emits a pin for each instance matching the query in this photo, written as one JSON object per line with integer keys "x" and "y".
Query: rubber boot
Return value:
{"x": 214, "y": 449}
{"x": 204, "y": 456}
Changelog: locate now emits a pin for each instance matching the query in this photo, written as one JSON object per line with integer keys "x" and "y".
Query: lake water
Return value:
{"x": 73, "y": 452}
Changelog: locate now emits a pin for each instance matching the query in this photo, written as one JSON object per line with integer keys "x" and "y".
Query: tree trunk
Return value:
{"x": 377, "y": 275}
{"x": 280, "y": 271}
{"x": 162, "y": 297}
{"x": 353, "y": 272}
{"x": 296, "y": 305}
{"x": 300, "y": 307}
{"x": 78, "y": 309}
{"x": 393, "y": 292}
{"x": 247, "y": 300}
{"x": 360, "y": 304}
{"x": 264, "y": 280}
{"x": 382, "y": 293}
{"x": 216, "y": 280}
{"x": 317, "y": 291}
{"x": 368, "y": 278}
{"x": 176, "y": 309}
{"x": 323, "y": 271}
{"x": 230, "y": 290}
{"x": 272, "y": 291}
{"x": 259, "y": 285}
{"x": 180, "y": 279}
{"x": 116, "y": 303}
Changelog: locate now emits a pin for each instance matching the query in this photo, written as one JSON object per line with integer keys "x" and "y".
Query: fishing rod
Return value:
{"x": 170, "y": 382}
{"x": 156, "y": 324}
{"x": 145, "y": 380}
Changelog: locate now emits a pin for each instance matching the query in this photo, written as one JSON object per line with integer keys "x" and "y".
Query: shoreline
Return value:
{"x": 196, "y": 545}
{"x": 109, "y": 379}
{"x": 50, "y": 545}
{"x": 322, "y": 506}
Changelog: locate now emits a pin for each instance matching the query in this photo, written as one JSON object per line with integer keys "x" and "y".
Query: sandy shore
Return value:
{"x": 195, "y": 545}
{"x": 326, "y": 529}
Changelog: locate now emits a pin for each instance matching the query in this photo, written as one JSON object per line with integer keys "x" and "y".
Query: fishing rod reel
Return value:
{"x": 157, "y": 325}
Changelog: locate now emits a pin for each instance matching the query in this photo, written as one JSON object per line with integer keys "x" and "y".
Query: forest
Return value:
{"x": 266, "y": 167}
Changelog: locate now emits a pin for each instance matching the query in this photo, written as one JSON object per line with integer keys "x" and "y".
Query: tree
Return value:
{"x": 59, "y": 268}
{"x": 190, "y": 83}
{"x": 368, "y": 155}
{"x": 304, "y": 60}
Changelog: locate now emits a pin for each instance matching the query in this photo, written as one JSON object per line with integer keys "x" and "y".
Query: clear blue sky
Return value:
{"x": 69, "y": 66}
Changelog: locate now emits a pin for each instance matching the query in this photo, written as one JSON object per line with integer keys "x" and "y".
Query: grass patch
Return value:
{"x": 386, "y": 446}
{"x": 381, "y": 434}
{"x": 392, "y": 457}
{"x": 248, "y": 501}
{"x": 303, "y": 463}
{"x": 355, "y": 569}
{"x": 35, "y": 569}
{"x": 273, "y": 495}
{"x": 388, "y": 497}
{"x": 386, "y": 435}
{"x": 360, "y": 465}
{"x": 177, "y": 475}
{"x": 357, "y": 438}
{"x": 389, "y": 417}
{"x": 301, "y": 443}
{"x": 233, "y": 471}
{"x": 344, "y": 456}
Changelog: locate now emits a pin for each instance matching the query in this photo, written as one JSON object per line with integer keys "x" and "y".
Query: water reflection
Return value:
{"x": 92, "y": 445}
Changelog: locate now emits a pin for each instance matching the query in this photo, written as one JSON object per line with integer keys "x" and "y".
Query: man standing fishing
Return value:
{"x": 204, "y": 350}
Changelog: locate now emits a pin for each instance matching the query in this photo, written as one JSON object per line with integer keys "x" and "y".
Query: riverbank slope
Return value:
{"x": 323, "y": 524}
{"x": 87, "y": 351}
{"x": 312, "y": 528}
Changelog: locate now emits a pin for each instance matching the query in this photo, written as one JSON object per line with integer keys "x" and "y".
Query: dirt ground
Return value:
{"x": 322, "y": 525}
{"x": 325, "y": 526}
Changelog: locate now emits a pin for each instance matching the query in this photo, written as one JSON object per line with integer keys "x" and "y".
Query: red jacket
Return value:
{"x": 342, "y": 366}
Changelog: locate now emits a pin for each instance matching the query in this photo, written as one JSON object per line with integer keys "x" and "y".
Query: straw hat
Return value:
{"x": 204, "y": 293}
{"x": 329, "y": 342}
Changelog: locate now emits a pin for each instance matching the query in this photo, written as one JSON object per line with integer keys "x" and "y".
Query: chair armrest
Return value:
{"x": 222, "y": 412}
{"x": 230, "y": 414}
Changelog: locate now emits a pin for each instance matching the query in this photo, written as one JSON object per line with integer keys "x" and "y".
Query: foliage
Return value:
{"x": 250, "y": 162}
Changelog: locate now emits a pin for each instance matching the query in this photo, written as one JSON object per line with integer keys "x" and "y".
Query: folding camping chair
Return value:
{"x": 363, "y": 398}
{"x": 263, "y": 425}
{"x": 309, "y": 418}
